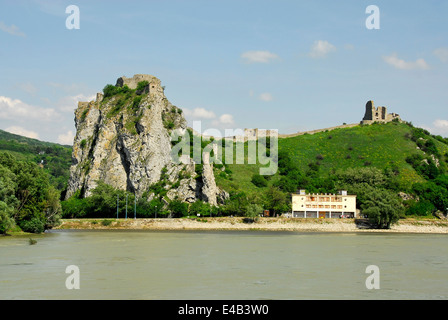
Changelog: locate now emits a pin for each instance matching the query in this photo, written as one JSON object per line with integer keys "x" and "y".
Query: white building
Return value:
{"x": 323, "y": 205}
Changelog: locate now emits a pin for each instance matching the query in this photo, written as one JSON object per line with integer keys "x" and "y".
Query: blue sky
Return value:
{"x": 286, "y": 65}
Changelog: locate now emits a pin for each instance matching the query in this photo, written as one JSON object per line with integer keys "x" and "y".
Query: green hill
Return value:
{"x": 54, "y": 158}
{"x": 403, "y": 156}
{"x": 394, "y": 157}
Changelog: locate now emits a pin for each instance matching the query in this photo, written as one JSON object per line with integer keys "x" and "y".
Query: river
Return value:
{"x": 224, "y": 265}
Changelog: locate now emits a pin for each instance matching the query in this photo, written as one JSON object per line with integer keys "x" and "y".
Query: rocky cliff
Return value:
{"x": 123, "y": 139}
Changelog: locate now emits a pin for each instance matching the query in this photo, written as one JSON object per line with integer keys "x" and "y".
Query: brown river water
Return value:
{"x": 224, "y": 265}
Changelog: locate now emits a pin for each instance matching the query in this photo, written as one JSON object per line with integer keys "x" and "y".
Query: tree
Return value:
{"x": 30, "y": 200}
{"x": 252, "y": 211}
{"x": 178, "y": 208}
{"x": 421, "y": 208}
{"x": 236, "y": 203}
{"x": 276, "y": 201}
{"x": 382, "y": 208}
{"x": 369, "y": 175}
{"x": 6, "y": 220}
{"x": 53, "y": 210}
{"x": 434, "y": 191}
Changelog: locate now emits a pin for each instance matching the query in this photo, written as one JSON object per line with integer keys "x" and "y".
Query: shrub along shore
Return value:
{"x": 263, "y": 224}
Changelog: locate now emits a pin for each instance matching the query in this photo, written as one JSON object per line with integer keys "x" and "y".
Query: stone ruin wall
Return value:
{"x": 377, "y": 114}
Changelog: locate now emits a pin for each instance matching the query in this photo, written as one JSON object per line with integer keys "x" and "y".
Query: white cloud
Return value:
{"x": 441, "y": 124}
{"x": 442, "y": 54}
{"x": 258, "y": 56}
{"x": 439, "y": 127}
{"x": 17, "y": 110}
{"x": 199, "y": 113}
{"x": 22, "y": 132}
{"x": 12, "y": 30}
{"x": 266, "y": 97}
{"x": 394, "y": 61}
{"x": 66, "y": 138}
{"x": 70, "y": 103}
{"x": 226, "y": 119}
{"x": 321, "y": 49}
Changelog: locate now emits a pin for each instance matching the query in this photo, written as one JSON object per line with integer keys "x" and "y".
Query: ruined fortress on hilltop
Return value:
{"x": 372, "y": 114}
{"x": 378, "y": 114}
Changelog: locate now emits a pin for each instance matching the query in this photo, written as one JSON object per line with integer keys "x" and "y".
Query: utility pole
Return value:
{"x": 135, "y": 206}
{"x": 117, "y": 204}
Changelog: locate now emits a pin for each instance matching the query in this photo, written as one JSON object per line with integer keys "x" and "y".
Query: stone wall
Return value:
{"x": 153, "y": 87}
{"x": 317, "y": 130}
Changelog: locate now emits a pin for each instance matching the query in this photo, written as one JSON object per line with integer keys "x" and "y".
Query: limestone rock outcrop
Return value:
{"x": 123, "y": 139}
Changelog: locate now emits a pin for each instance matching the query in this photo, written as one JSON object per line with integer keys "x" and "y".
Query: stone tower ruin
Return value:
{"x": 377, "y": 114}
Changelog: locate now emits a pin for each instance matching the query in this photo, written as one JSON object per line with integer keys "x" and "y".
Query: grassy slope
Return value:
{"x": 381, "y": 145}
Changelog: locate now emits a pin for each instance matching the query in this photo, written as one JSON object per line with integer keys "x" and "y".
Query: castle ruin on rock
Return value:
{"x": 124, "y": 140}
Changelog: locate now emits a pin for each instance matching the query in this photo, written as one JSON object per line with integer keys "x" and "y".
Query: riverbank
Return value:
{"x": 264, "y": 224}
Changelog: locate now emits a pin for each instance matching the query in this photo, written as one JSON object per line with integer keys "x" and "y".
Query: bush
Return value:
{"x": 35, "y": 225}
{"x": 141, "y": 85}
{"x": 259, "y": 181}
{"x": 136, "y": 102}
{"x": 106, "y": 222}
{"x": 169, "y": 124}
{"x": 202, "y": 208}
{"x": 110, "y": 90}
{"x": 421, "y": 208}
{"x": 84, "y": 114}
{"x": 178, "y": 208}
{"x": 252, "y": 211}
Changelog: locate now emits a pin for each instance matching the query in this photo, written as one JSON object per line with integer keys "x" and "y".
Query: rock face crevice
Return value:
{"x": 124, "y": 141}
